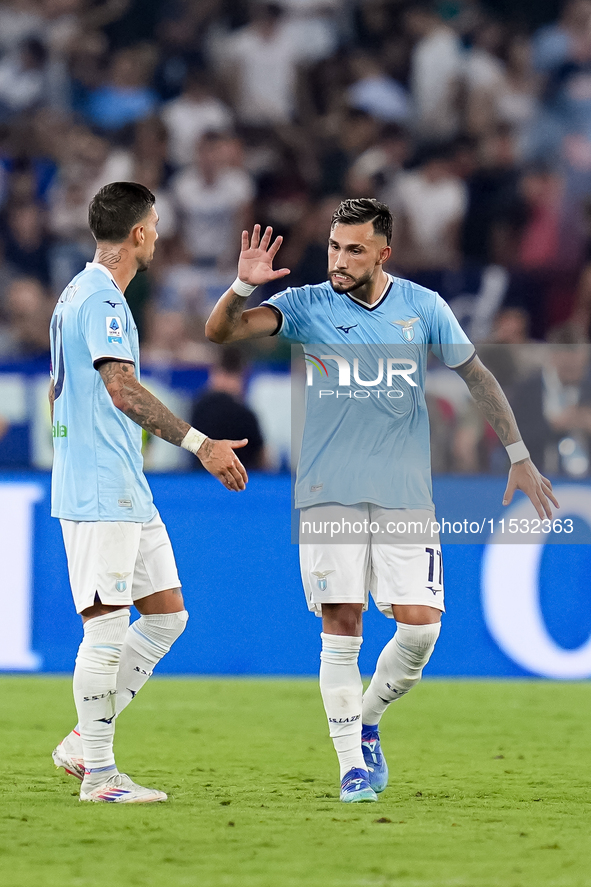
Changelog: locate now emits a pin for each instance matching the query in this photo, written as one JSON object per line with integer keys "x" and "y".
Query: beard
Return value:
{"x": 143, "y": 265}
{"x": 355, "y": 283}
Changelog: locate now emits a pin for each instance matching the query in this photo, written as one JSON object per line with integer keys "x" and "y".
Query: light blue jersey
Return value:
{"x": 97, "y": 466}
{"x": 366, "y": 434}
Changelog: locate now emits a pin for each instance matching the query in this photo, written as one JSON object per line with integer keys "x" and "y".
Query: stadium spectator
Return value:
{"x": 22, "y": 78}
{"x": 28, "y": 309}
{"x": 26, "y": 244}
{"x": 435, "y": 75}
{"x": 214, "y": 200}
{"x": 553, "y": 408}
{"x": 126, "y": 96}
{"x": 196, "y": 111}
{"x": 221, "y": 409}
{"x": 429, "y": 203}
{"x": 261, "y": 63}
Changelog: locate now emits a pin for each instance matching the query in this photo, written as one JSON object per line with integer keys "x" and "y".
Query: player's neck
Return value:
{"x": 374, "y": 289}
{"x": 119, "y": 260}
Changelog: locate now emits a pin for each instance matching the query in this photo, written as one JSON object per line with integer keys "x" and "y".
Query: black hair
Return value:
{"x": 361, "y": 210}
{"x": 116, "y": 208}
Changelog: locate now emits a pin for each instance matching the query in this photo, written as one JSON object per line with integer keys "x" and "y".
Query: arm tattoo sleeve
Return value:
{"x": 139, "y": 405}
{"x": 490, "y": 400}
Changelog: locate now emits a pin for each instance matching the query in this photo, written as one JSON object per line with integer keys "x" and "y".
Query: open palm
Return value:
{"x": 255, "y": 265}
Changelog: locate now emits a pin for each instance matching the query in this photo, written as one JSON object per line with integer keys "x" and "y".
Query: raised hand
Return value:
{"x": 218, "y": 457}
{"x": 525, "y": 476}
{"x": 255, "y": 264}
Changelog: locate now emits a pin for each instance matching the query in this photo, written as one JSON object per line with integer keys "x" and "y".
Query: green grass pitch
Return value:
{"x": 490, "y": 787}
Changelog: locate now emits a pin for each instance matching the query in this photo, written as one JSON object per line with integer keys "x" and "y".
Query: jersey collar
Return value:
{"x": 377, "y": 304}
{"x": 105, "y": 271}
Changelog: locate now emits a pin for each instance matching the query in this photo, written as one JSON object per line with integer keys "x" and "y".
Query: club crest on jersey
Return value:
{"x": 321, "y": 579}
{"x": 408, "y": 330}
{"x": 114, "y": 333}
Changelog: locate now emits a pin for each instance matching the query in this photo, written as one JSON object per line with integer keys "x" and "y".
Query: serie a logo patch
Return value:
{"x": 114, "y": 333}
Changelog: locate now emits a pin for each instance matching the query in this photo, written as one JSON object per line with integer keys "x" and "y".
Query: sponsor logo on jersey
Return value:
{"x": 347, "y": 329}
{"x": 112, "y": 304}
{"x": 321, "y": 579}
{"x": 59, "y": 430}
{"x": 124, "y": 503}
{"x": 408, "y": 332}
{"x": 114, "y": 332}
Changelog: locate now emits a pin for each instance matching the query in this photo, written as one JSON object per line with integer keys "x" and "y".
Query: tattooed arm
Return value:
{"x": 50, "y": 395}
{"x": 229, "y": 322}
{"x": 494, "y": 406}
{"x": 143, "y": 408}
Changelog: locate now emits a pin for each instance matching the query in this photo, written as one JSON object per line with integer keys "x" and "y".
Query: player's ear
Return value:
{"x": 385, "y": 254}
{"x": 138, "y": 235}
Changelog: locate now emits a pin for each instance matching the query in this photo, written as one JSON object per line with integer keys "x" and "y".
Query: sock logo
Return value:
{"x": 142, "y": 671}
{"x": 344, "y": 720}
{"x": 100, "y": 696}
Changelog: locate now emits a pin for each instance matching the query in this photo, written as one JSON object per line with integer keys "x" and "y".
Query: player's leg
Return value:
{"x": 334, "y": 579}
{"x": 408, "y": 574}
{"x": 101, "y": 558}
{"x": 163, "y": 618}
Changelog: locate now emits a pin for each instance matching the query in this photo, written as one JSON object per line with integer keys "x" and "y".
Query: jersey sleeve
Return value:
{"x": 294, "y": 306}
{"x": 448, "y": 340}
{"x": 103, "y": 323}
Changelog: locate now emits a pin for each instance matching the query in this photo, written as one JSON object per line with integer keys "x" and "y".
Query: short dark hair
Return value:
{"x": 116, "y": 208}
{"x": 361, "y": 210}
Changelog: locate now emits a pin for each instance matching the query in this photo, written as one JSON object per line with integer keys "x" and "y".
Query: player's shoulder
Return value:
{"x": 308, "y": 293}
{"x": 415, "y": 294}
{"x": 89, "y": 288}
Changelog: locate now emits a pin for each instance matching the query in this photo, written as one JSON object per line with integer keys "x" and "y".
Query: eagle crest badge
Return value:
{"x": 408, "y": 330}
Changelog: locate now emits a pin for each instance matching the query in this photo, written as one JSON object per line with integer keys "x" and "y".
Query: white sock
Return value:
{"x": 399, "y": 668}
{"x": 95, "y": 688}
{"x": 148, "y": 639}
{"x": 342, "y": 690}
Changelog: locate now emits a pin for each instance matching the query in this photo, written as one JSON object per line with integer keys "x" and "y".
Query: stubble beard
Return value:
{"x": 356, "y": 283}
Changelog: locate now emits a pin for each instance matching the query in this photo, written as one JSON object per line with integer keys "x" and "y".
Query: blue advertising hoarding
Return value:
{"x": 512, "y": 609}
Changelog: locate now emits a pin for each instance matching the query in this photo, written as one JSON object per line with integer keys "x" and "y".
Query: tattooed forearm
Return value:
{"x": 110, "y": 257}
{"x": 234, "y": 308}
{"x": 139, "y": 405}
{"x": 51, "y": 396}
{"x": 490, "y": 400}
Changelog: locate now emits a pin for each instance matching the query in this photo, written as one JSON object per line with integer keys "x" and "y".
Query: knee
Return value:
{"x": 342, "y": 619}
{"x": 419, "y": 640}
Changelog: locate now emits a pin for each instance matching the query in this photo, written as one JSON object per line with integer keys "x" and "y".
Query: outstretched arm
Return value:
{"x": 494, "y": 406}
{"x": 229, "y": 322}
{"x": 143, "y": 408}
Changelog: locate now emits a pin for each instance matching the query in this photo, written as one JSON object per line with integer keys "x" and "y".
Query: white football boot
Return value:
{"x": 120, "y": 789}
{"x": 64, "y": 755}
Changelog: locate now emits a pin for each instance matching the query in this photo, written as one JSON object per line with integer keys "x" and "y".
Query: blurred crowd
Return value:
{"x": 471, "y": 119}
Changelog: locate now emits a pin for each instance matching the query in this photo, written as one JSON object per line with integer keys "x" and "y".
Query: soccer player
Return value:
{"x": 117, "y": 547}
{"x": 369, "y": 465}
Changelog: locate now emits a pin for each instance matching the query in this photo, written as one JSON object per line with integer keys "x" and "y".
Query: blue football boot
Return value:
{"x": 355, "y": 787}
{"x": 374, "y": 759}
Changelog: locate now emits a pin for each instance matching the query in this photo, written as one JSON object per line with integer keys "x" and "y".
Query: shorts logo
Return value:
{"x": 321, "y": 579}
{"x": 120, "y": 581}
{"x": 114, "y": 333}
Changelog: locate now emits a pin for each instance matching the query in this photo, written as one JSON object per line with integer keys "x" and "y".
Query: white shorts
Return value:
{"x": 394, "y": 572}
{"x": 119, "y": 561}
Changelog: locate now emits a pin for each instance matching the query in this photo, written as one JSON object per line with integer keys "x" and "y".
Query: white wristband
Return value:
{"x": 517, "y": 452}
{"x": 242, "y": 289}
{"x": 193, "y": 440}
